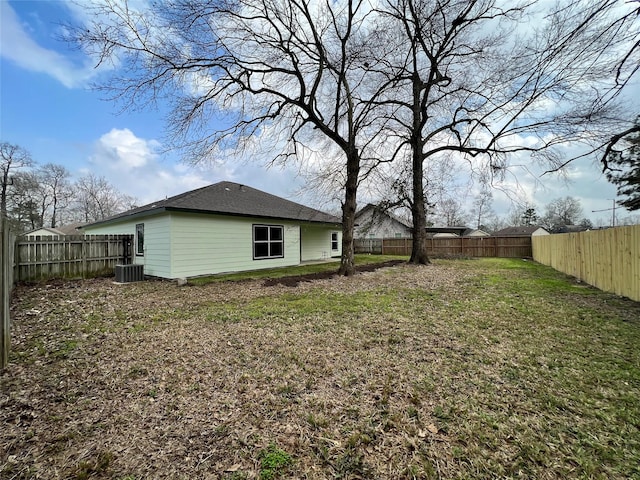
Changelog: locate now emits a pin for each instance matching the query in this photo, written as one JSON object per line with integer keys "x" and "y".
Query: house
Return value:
{"x": 475, "y": 232}
{"x": 374, "y": 222}
{"x": 44, "y": 232}
{"x": 224, "y": 227}
{"x": 71, "y": 229}
{"x": 521, "y": 231}
{"x": 445, "y": 235}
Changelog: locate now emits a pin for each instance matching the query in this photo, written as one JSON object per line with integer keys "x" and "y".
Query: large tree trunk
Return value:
{"x": 419, "y": 247}
{"x": 347, "y": 266}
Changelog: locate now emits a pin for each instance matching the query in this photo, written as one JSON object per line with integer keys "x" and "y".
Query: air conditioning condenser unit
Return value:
{"x": 129, "y": 273}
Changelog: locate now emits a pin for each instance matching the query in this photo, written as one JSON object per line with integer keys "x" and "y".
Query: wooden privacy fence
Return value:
{"x": 70, "y": 256}
{"x": 507, "y": 247}
{"x": 607, "y": 259}
{"x": 7, "y": 242}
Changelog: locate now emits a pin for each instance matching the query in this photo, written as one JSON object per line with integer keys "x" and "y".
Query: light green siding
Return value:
{"x": 157, "y": 248}
{"x": 316, "y": 242}
{"x": 180, "y": 245}
{"x": 208, "y": 244}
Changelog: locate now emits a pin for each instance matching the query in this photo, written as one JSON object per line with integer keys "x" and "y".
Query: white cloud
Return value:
{"x": 18, "y": 47}
{"x": 135, "y": 167}
{"x": 124, "y": 151}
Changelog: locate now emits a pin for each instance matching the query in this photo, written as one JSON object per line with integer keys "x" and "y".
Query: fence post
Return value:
{"x": 84, "y": 257}
{"x": 5, "y": 289}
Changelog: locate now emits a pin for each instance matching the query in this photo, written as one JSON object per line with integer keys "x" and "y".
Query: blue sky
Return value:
{"x": 47, "y": 107}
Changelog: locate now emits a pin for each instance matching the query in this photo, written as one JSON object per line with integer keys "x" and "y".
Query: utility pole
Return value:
{"x": 612, "y": 210}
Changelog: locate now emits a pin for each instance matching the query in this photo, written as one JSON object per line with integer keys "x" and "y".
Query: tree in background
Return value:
{"x": 451, "y": 213}
{"x": 13, "y": 159}
{"x": 562, "y": 212}
{"x": 529, "y": 217}
{"x": 54, "y": 191}
{"x": 35, "y": 196}
{"x": 482, "y": 212}
{"x": 623, "y": 162}
{"x": 95, "y": 199}
{"x": 23, "y": 209}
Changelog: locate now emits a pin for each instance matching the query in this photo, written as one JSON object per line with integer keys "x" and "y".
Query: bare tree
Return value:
{"x": 95, "y": 199}
{"x": 54, "y": 191}
{"x": 467, "y": 85}
{"x": 482, "y": 206}
{"x": 13, "y": 158}
{"x": 291, "y": 71}
{"x": 451, "y": 213}
{"x": 22, "y": 202}
{"x": 562, "y": 212}
{"x": 619, "y": 23}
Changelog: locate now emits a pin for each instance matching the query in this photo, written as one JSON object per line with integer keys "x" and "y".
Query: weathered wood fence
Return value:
{"x": 70, "y": 256}
{"x": 39, "y": 258}
{"x": 508, "y": 247}
{"x": 7, "y": 242}
{"x": 607, "y": 259}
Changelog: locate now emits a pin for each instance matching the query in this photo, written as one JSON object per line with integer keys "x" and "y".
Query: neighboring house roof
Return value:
{"x": 571, "y": 229}
{"x": 475, "y": 232}
{"x": 458, "y": 231}
{"x": 71, "y": 229}
{"x": 520, "y": 231}
{"x": 228, "y": 198}
{"x": 43, "y": 231}
{"x": 446, "y": 235}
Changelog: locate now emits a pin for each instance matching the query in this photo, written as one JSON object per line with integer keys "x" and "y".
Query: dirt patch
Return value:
{"x": 294, "y": 281}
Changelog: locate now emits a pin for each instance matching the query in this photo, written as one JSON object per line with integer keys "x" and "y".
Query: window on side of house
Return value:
{"x": 140, "y": 239}
{"x": 334, "y": 240}
{"x": 268, "y": 241}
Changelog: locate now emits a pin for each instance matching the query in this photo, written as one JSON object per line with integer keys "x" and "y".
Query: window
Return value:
{"x": 334, "y": 240}
{"x": 268, "y": 241}
{"x": 140, "y": 239}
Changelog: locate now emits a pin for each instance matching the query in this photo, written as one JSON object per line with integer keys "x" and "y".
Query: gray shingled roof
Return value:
{"x": 228, "y": 198}
{"x": 516, "y": 231}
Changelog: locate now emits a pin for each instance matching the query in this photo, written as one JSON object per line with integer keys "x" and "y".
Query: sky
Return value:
{"x": 48, "y": 107}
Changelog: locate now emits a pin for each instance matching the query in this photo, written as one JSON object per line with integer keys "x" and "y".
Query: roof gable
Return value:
{"x": 43, "y": 232}
{"x": 377, "y": 211}
{"x": 228, "y": 198}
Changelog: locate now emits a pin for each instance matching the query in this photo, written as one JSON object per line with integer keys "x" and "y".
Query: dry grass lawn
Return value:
{"x": 461, "y": 369}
